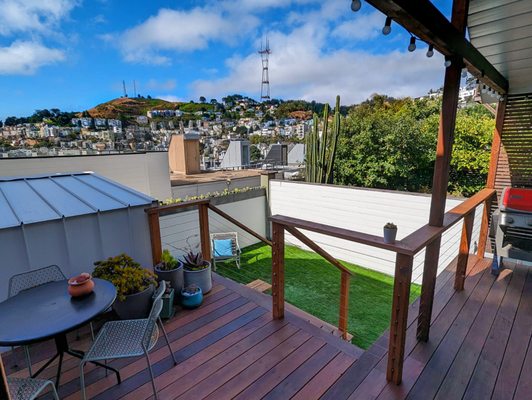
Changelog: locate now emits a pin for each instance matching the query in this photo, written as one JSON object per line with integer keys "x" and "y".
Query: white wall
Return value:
{"x": 74, "y": 244}
{"x": 182, "y": 191}
{"x": 181, "y": 230}
{"x": 146, "y": 172}
{"x": 364, "y": 210}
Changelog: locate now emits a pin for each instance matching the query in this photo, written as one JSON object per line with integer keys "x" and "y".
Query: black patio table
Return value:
{"x": 48, "y": 311}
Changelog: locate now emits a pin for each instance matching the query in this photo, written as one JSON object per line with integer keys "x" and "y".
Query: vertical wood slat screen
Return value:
{"x": 514, "y": 166}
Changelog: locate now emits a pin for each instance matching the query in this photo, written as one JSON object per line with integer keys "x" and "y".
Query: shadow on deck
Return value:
{"x": 231, "y": 348}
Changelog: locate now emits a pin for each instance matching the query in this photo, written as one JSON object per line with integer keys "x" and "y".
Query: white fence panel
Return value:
{"x": 364, "y": 210}
{"x": 180, "y": 231}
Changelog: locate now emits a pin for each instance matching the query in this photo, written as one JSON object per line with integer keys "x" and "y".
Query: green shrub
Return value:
{"x": 168, "y": 261}
{"x": 125, "y": 274}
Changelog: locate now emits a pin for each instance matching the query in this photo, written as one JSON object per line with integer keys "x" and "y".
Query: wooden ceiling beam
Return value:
{"x": 425, "y": 21}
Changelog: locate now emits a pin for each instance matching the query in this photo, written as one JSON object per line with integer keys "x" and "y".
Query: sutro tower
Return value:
{"x": 265, "y": 84}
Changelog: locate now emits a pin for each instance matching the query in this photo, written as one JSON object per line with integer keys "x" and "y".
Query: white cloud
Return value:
{"x": 170, "y": 97}
{"x": 39, "y": 16}
{"x": 301, "y": 66}
{"x": 26, "y": 57}
{"x": 173, "y": 30}
{"x": 365, "y": 27}
{"x": 154, "y": 84}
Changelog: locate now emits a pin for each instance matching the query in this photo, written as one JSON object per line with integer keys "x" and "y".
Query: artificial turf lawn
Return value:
{"x": 313, "y": 285}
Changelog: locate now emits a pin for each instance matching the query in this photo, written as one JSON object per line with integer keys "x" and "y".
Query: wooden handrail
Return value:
{"x": 410, "y": 245}
{"x": 239, "y": 224}
{"x": 419, "y": 239}
{"x": 341, "y": 233}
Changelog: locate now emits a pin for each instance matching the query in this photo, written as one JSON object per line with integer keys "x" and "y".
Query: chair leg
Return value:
{"x": 82, "y": 381}
{"x": 238, "y": 262}
{"x": 151, "y": 375}
{"x": 92, "y": 331}
{"x": 28, "y": 359}
{"x": 167, "y": 341}
{"x": 214, "y": 264}
{"x": 54, "y": 390}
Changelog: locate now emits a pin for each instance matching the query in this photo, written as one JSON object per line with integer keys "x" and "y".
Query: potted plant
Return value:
{"x": 170, "y": 270}
{"x": 191, "y": 296}
{"x": 134, "y": 285}
{"x": 168, "y": 302}
{"x": 390, "y": 232}
{"x": 197, "y": 271}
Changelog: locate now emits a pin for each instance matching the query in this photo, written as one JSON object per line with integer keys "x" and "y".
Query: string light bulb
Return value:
{"x": 484, "y": 89}
{"x": 355, "y": 5}
{"x": 430, "y": 51}
{"x": 387, "y": 28}
{"x": 412, "y": 45}
{"x": 447, "y": 63}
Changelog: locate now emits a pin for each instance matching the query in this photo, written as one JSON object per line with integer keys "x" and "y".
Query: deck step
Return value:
{"x": 259, "y": 285}
{"x": 329, "y": 328}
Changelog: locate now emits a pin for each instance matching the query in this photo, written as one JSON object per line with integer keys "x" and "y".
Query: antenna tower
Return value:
{"x": 134, "y": 88}
{"x": 124, "y": 87}
{"x": 265, "y": 84}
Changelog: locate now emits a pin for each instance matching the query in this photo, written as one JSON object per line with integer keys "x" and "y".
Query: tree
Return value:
{"x": 202, "y": 99}
{"x": 214, "y": 101}
{"x": 254, "y": 154}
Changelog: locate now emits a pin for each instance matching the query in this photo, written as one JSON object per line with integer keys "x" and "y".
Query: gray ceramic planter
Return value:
{"x": 390, "y": 235}
{"x": 135, "y": 306}
{"x": 201, "y": 278}
{"x": 175, "y": 277}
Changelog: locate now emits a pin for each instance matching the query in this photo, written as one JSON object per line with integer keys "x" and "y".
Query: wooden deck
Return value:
{"x": 228, "y": 348}
{"x": 479, "y": 348}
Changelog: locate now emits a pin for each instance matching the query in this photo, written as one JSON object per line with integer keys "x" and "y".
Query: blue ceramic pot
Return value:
{"x": 191, "y": 300}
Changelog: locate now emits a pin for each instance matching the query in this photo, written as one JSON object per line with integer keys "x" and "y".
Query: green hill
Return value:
{"x": 125, "y": 108}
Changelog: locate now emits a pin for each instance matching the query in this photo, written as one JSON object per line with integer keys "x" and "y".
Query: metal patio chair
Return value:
{"x": 222, "y": 252}
{"x": 129, "y": 338}
{"x": 31, "y": 279}
{"x": 29, "y": 389}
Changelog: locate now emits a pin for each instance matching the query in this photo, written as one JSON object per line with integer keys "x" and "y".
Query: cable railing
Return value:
{"x": 405, "y": 250}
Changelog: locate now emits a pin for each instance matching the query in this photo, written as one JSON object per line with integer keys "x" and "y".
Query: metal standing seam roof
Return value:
{"x": 27, "y": 200}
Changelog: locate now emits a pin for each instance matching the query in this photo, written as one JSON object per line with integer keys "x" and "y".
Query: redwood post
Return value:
{"x": 4, "y": 387}
{"x": 401, "y": 301}
{"x": 440, "y": 181}
{"x": 344, "y": 304}
{"x": 492, "y": 174}
{"x": 203, "y": 211}
{"x": 155, "y": 236}
{"x": 463, "y": 253}
{"x": 277, "y": 270}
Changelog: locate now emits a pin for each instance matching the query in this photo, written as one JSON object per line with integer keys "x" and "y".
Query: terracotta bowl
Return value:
{"x": 80, "y": 285}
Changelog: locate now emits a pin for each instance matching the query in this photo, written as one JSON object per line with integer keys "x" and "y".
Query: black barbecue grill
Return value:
{"x": 511, "y": 227}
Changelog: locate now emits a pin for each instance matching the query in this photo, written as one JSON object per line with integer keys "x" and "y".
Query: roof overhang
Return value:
{"x": 425, "y": 21}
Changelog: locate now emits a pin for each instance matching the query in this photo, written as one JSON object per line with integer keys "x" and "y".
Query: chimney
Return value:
{"x": 184, "y": 154}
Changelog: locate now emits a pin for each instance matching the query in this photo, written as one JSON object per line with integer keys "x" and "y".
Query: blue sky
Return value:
{"x": 74, "y": 54}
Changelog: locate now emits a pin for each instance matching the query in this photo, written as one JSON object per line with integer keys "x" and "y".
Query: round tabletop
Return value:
{"x": 48, "y": 310}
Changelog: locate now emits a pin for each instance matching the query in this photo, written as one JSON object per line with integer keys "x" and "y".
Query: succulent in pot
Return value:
{"x": 191, "y": 296}
{"x": 170, "y": 269}
{"x": 390, "y": 232}
{"x": 197, "y": 271}
{"x": 134, "y": 285}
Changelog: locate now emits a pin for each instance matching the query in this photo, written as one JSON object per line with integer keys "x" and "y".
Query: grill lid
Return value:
{"x": 516, "y": 200}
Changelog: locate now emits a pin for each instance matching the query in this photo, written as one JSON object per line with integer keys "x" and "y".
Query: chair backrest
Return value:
{"x": 160, "y": 291}
{"x": 37, "y": 277}
{"x": 233, "y": 236}
{"x": 151, "y": 324}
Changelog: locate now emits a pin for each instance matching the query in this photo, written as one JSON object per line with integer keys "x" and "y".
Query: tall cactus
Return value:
{"x": 321, "y": 149}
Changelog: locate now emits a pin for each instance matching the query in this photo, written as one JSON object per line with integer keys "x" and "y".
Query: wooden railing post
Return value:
{"x": 203, "y": 211}
{"x": 463, "y": 254}
{"x": 278, "y": 270}
{"x": 400, "y": 304}
{"x": 344, "y": 304}
{"x": 428, "y": 286}
{"x": 484, "y": 228}
{"x": 155, "y": 237}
